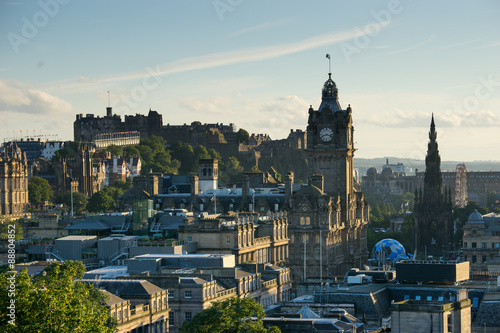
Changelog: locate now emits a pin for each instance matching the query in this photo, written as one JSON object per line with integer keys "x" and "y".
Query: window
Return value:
{"x": 417, "y": 298}
{"x": 292, "y": 238}
{"x": 407, "y": 297}
{"x": 125, "y": 312}
{"x": 171, "y": 320}
{"x": 308, "y": 220}
{"x": 159, "y": 304}
{"x": 228, "y": 239}
{"x": 484, "y": 259}
{"x": 441, "y": 298}
{"x": 231, "y": 206}
{"x": 201, "y": 207}
{"x": 484, "y": 245}
{"x": 154, "y": 305}
{"x": 429, "y": 298}
{"x": 474, "y": 245}
{"x": 302, "y": 221}
{"x": 188, "y": 316}
{"x": 170, "y": 294}
{"x": 190, "y": 239}
{"x": 317, "y": 238}
{"x": 474, "y": 259}
{"x": 119, "y": 315}
{"x": 465, "y": 244}
{"x": 187, "y": 293}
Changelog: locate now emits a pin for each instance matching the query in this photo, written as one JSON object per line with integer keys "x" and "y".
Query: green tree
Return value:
{"x": 7, "y": 225}
{"x": 79, "y": 201}
{"x": 255, "y": 169}
{"x": 130, "y": 151}
{"x": 184, "y": 153}
{"x": 154, "y": 156}
{"x": 233, "y": 171}
{"x": 229, "y": 316}
{"x": 215, "y": 154}
{"x": 115, "y": 150}
{"x": 39, "y": 190}
{"x": 242, "y": 136}
{"x": 54, "y": 301}
{"x": 101, "y": 201}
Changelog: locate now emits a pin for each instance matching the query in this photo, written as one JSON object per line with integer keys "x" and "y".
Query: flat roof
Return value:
{"x": 192, "y": 256}
{"x": 73, "y": 238}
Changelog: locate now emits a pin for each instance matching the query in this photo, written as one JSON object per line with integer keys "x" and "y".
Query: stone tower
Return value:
{"x": 330, "y": 146}
{"x": 208, "y": 173}
{"x": 328, "y": 217}
{"x": 433, "y": 217}
{"x": 13, "y": 182}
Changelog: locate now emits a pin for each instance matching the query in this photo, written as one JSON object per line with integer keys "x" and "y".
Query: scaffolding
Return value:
{"x": 461, "y": 187}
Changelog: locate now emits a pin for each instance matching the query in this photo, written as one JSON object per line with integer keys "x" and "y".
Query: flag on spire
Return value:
{"x": 328, "y": 56}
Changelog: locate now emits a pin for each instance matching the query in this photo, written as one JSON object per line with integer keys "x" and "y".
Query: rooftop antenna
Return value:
{"x": 329, "y": 64}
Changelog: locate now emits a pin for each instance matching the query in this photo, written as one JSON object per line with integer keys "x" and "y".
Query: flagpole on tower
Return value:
{"x": 109, "y": 103}
{"x": 329, "y": 63}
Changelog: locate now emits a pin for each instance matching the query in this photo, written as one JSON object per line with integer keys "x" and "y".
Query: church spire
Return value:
{"x": 432, "y": 132}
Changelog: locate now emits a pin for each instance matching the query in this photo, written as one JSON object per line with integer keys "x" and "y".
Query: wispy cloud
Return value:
{"x": 405, "y": 118}
{"x": 489, "y": 45}
{"x": 16, "y": 97}
{"x": 451, "y": 46}
{"x": 218, "y": 59}
{"x": 263, "y": 26}
{"x": 212, "y": 105}
{"x": 430, "y": 39}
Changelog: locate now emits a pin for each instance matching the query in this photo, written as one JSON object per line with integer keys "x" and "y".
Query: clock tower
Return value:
{"x": 328, "y": 217}
{"x": 330, "y": 147}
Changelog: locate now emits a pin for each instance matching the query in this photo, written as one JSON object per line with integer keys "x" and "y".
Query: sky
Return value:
{"x": 259, "y": 65}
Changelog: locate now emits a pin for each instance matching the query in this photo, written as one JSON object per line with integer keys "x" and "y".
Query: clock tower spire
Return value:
{"x": 330, "y": 146}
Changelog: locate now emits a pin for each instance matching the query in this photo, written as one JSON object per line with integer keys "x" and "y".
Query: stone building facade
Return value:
{"x": 137, "y": 305}
{"x": 433, "y": 217}
{"x": 481, "y": 240}
{"x": 328, "y": 218}
{"x": 13, "y": 182}
{"x": 250, "y": 237}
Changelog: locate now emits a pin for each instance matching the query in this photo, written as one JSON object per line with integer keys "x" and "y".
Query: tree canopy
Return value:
{"x": 54, "y": 301}
{"x": 229, "y": 316}
{"x": 232, "y": 171}
{"x": 39, "y": 190}
{"x": 79, "y": 201}
{"x": 101, "y": 201}
{"x": 154, "y": 156}
{"x": 242, "y": 136}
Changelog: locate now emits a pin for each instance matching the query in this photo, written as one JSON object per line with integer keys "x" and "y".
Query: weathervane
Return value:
{"x": 329, "y": 63}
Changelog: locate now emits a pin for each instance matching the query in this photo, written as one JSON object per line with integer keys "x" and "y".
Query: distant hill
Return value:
{"x": 364, "y": 164}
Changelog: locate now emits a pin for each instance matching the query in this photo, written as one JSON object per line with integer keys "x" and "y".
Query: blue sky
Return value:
{"x": 259, "y": 65}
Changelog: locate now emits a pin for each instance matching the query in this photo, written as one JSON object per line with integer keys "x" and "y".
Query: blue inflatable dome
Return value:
{"x": 388, "y": 249}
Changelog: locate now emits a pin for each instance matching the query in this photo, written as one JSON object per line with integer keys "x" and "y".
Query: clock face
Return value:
{"x": 326, "y": 134}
